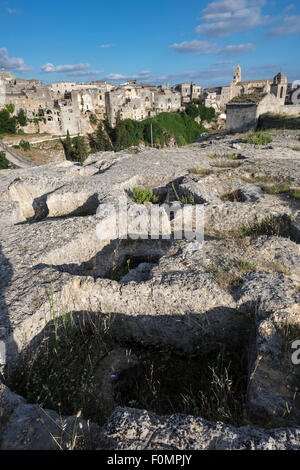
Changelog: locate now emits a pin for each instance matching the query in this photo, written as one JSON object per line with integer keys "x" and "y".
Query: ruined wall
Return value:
{"x": 241, "y": 117}
{"x": 291, "y": 110}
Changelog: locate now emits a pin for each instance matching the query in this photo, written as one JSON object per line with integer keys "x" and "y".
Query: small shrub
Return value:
{"x": 228, "y": 274}
{"x": 118, "y": 272}
{"x": 278, "y": 188}
{"x": 276, "y": 226}
{"x": 230, "y": 156}
{"x": 184, "y": 198}
{"x": 260, "y": 179}
{"x": 296, "y": 149}
{"x": 143, "y": 195}
{"x": 200, "y": 171}
{"x": 4, "y": 163}
{"x": 234, "y": 196}
{"x": 260, "y": 138}
{"x": 24, "y": 145}
{"x": 295, "y": 194}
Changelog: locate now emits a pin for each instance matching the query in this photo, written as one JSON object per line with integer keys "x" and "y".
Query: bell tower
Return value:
{"x": 237, "y": 75}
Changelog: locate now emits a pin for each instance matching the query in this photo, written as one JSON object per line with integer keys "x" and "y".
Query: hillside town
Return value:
{"x": 71, "y": 106}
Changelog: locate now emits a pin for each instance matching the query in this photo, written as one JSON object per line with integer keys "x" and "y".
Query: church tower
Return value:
{"x": 237, "y": 75}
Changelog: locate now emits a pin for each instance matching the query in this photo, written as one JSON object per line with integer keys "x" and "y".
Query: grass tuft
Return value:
{"x": 272, "y": 226}
{"x": 260, "y": 138}
{"x": 234, "y": 196}
{"x": 144, "y": 195}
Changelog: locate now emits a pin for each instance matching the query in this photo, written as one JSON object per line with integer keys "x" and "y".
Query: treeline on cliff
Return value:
{"x": 166, "y": 128}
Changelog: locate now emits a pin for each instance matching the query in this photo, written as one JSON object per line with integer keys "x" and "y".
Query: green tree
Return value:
{"x": 99, "y": 141}
{"x": 4, "y": 163}
{"x": 206, "y": 114}
{"x": 8, "y": 123}
{"x": 22, "y": 117}
{"x": 67, "y": 145}
{"x": 192, "y": 111}
{"x": 10, "y": 108}
{"x": 80, "y": 149}
{"x": 102, "y": 140}
{"x": 25, "y": 145}
{"x": 121, "y": 140}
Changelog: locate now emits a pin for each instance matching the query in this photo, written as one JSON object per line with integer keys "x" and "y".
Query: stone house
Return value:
{"x": 243, "y": 112}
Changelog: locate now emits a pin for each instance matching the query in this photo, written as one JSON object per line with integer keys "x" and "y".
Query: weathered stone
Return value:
{"x": 130, "y": 429}
{"x": 177, "y": 294}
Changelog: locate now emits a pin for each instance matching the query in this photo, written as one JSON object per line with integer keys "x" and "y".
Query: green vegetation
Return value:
{"x": 127, "y": 133}
{"x": 200, "y": 171}
{"x": 10, "y": 108}
{"x": 212, "y": 386}
{"x": 296, "y": 149}
{"x": 278, "y": 188}
{"x": 260, "y": 179}
{"x": 295, "y": 194}
{"x": 228, "y": 274}
{"x": 62, "y": 374}
{"x": 186, "y": 198}
{"x": 75, "y": 149}
{"x": 206, "y": 114}
{"x": 227, "y": 164}
{"x": 22, "y": 117}
{"x": 118, "y": 272}
{"x": 93, "y": 118}
{"x": 8, "y": 123}
{"x": 142, "y": 195}
{"x": 282, "y": 188}
{"x": 253, "y": 98}
{"x": 99, "y": 141}
{"x": 260, "y": 138}
{"x": 57, "y": 375}
{"x": 281, "y": 116}
{"x": 279, "y": 226}
{"x": 4, "y": 163}
{"x": 233, "y": 196}
{"x": 25, "y": 145}
{"x": 230, "y": 156}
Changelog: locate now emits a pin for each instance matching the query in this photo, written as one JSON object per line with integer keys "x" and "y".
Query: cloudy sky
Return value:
{"x": 154, "y": 42}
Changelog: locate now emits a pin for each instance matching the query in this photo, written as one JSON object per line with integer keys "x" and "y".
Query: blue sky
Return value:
{"x": 154, "y": 42}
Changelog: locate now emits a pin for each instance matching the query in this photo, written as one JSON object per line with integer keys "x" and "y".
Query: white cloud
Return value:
{"x": 50, "y": 68}
{"x": 12, "y": 11}
{"x": 14, "y": 63}
{"x": 289, "y": 8}
{"x": 106, "y": 46}
{"x": 144, "y": 75}
{"x": 290, "y": 25}
{"x": 225, "y": 17}
{"x": 210, "y": 48}
{"x": 84, "y": 73}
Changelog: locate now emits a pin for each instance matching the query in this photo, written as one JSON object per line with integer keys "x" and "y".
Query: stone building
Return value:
{"x": 138, "y": 102}
{"x": 188, "y": 92}
{"x": 220, "y": 96}
{"x": 243, "y": 114}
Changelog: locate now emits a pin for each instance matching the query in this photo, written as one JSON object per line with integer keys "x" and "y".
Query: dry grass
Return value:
{"x": 230, "y": 156}
{"x": 278, "y": 188}
{"x": 233, "y": 196}
{"x": 228, "y": 275}
{"x": 227, "y": 164}
{"x": 200, "y": 171}
{"x": 260, "y": 178}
